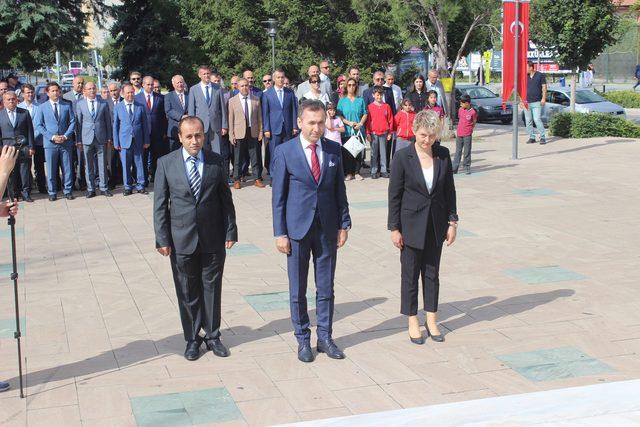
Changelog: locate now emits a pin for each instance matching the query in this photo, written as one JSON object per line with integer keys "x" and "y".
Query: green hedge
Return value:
{"x": 625, "y": 98}
{"x": 581, "y": 125}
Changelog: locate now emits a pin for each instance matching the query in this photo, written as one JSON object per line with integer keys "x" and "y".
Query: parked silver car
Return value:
{"x": 587, "y": 101}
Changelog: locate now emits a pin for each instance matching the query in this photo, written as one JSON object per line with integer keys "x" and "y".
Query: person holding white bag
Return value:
{"x": 353, "y": 111}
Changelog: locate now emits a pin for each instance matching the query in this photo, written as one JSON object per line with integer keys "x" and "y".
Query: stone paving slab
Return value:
{"x": 538, "y": 293}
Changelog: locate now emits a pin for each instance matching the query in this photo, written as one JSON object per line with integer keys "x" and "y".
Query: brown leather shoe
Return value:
{"x": 236, "y": 185}
{"x": 259, "y": 183}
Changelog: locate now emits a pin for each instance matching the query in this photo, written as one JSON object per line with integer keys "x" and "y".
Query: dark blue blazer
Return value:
{"x": 279, "y": 119}
{"x": 156, "y": 118}
{"x": 23, "y": 127}
{"x": 174, "y": 111}
{"x": 296, "y": 196}
{"x": 388, "y": 98}
{"x": 126, "y": 130}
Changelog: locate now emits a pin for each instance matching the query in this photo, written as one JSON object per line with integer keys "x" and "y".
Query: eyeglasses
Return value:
{"x": 135, "y": 78}
{"x": 351, "y": 84}
{"x": 267, "y": 81}
{"x": 315, "y": 82}
{"x": 378, "y": 79}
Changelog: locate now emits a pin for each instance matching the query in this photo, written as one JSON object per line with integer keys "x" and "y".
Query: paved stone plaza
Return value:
{"x": 539, "y": 292}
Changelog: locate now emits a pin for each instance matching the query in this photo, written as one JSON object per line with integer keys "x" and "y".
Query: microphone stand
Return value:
{"x": 19, "y": 140}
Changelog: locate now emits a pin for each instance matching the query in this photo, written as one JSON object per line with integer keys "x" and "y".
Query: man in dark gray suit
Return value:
{"x": 175, "y": 107}
{"x": 93, "y": 131}
{"x": 195, "y": 221}
{"x": 73, "y": 96}
{"x": 15, "y": 122}
{"x": 206, "y": 101}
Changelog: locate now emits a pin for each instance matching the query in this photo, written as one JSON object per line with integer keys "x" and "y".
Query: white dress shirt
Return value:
{"x": 307, "y": 151}
{"x": 150, "y": 97}
{"x": 428, "y": 177}
{"x": 204, "y": 90}
{"x": 248, "y": 98}
{"x": 187, "y": 162}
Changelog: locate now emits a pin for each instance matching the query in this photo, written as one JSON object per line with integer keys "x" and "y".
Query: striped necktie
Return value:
{"x": 194, "y": 177}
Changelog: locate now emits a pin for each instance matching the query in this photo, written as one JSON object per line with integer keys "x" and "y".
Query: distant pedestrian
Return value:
{"x": 467, "y": 118}
{"x": 637, "y": 76}
{"x": 536, "y": 98}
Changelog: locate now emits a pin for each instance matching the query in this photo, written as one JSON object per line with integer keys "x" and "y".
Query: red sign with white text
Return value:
{"x": 511, "y": 25}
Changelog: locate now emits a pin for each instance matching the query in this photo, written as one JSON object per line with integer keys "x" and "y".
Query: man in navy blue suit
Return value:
{"x": 157, "y": 121}
{"x": 310, "y": 217}
{"x": 131, "y": 138}
{"x": 279, "y": 113}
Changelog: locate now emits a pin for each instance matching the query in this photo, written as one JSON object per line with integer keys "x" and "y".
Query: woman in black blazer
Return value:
{"x": 422, "y": 216}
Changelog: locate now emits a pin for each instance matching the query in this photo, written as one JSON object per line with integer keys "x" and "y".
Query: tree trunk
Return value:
{"x": 573, "y": 92}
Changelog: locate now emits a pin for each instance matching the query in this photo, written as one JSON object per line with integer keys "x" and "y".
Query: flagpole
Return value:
{"x": 514, "y": 142}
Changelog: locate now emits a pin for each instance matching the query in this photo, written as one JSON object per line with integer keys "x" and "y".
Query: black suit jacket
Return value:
{"x": 388, "y": 97}
{"x": 24, "y": 127}
{"x": 184, "y": 223}
{"x": 410, "y": 203}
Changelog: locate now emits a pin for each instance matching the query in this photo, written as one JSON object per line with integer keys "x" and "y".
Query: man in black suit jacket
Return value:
{"x": 113, "y": 160}
{"x": 195, "y": 221}
{"x": 14, "y": 122}
{"x": 154, "y": 103}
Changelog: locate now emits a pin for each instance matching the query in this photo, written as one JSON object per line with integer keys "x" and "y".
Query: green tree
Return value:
{"x": 150, "y": 38}
{"x": 372, "y": 39}
{"x": 231, "y": 33}
{"x": 31, "y": 31}
{"x": 576, "y": 30}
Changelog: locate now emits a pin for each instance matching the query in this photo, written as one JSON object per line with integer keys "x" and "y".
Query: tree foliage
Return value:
{"x": 231, "y": 33}
{"x": 577, "y": 30}
{"x": 453, "y": 28}
{"x": 149, "y": 37}
{"x": 31, "y": 31}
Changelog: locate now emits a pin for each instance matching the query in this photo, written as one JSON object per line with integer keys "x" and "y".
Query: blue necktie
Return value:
{"x": 207, "y": 96}
{"x": 129, "y": 106}
{"x": 280, "y": 97}
{"x": 194, "y": 177}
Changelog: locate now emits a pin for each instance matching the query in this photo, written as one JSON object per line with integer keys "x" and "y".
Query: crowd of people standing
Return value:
{"x": 95, "y": 140}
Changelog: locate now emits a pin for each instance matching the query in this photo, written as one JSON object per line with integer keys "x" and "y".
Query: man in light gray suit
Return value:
{"x": 93, "y": 132}
{"x": 195, "y": 223}
{"x": 206, "y": 101}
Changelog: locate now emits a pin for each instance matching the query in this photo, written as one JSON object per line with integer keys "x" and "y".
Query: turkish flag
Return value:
{"x": 511, "y": 25}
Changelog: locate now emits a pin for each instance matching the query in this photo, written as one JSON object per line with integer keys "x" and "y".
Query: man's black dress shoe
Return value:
{"x": 143, "y": 191}
{"x": 217, "y": 347}
{"x": 91, "y": 194}
{"x": 53, "y": 198}
{"x": 193, "y": 350}
{"x": 330, "y": 348}
{"x": 107, "y": 193}
{"x": 127, "y": 192}
{"x": 305, "y": 354}
{"x": 27, "y": 197}
{"x": 69, "y": 196}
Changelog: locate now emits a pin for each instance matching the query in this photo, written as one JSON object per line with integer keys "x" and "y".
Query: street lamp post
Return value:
{"x": 271, "y": 25}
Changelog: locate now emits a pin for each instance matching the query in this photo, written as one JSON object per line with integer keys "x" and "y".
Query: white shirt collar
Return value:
{"x": 186, "y": 155}
{"x": 147, "y": 94}
{"x": 205, "y": 85}
{"x": 306, "y": 143}
{"x": 54, "y": 102}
